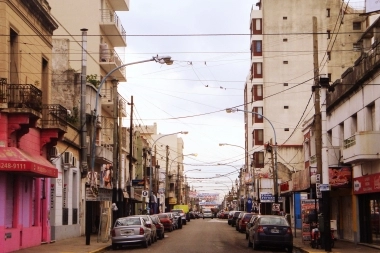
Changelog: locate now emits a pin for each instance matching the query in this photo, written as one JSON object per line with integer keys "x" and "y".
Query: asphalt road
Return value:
{"x": 200, "y": 236}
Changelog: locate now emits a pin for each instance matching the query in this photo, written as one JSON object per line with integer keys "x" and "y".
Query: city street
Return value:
{"x": 209, "y": 235}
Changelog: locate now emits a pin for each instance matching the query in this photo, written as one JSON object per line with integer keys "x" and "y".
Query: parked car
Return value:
{"x": 178, "y": 216}
{"x": 130, "y": 230}
{"x": 159, "y": 226}
{"x": 234, "y": 218}
{"x": 208, "y": 214}
{"x": 150, "y": 224}
{"x": 174, "y": 219}
{"x": 271, "y": 231}
{"x": 243, "y": 221}
{"x": 223, "y": 215}
{"x": 237, "y": 223}
{"x": 230, "y": 216}
{"x": 182, "y": 214}
{"x": 166, "y": 221}
{"x": 250, "y": 224}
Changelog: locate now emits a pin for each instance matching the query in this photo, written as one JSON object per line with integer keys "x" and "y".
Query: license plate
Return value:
{"x": 126, "y": 232}
{"x": 275, "y": 231}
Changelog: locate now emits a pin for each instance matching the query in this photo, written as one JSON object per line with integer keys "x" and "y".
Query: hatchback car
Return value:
{"x": 271, "y": 231}
{"x": 166, "y": 221}
{"x": 159, "y": 226}
{"x": 243, "y": 221}
{"x": 130, "y": 230}
{"x": 150, "y": 224}
{"x": 183, "y": 215}
{"x": 234, "y": 217}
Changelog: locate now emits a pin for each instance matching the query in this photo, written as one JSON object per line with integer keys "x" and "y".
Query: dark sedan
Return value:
{"x": 271, "y": 231}
{"x": 234, "y": 218}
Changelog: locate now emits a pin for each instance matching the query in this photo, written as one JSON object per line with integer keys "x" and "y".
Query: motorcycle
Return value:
{"x": 316, "y": 240}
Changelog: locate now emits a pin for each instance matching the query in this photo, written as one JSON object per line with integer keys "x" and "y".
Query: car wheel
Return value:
{"x": 145, "y": 244}
{"x": 162, "y": 235}
{"x": 155, "y": 238}
{"x": 150, "y": 241}
{"x": 290, "y": 249}
{"x": 249, "y": 243}
{"x": 114, "y": 246}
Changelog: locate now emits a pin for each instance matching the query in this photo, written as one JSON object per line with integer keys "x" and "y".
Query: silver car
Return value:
{"x": 130, "y": 230}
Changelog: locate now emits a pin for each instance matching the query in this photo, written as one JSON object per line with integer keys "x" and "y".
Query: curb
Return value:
{"x": 101, "y": 249}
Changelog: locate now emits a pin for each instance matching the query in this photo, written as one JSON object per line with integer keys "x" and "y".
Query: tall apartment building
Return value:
{"x": 280, "y": 79}
{"x": 111, "y": 168}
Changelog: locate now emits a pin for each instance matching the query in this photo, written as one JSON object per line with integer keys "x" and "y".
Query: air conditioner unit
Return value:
{"x": 74, "y": 164}
{"x": 53, "y": 152}
{"x": 68, "y": 158}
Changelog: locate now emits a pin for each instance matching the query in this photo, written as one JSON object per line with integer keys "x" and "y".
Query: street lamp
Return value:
{"x": 220, "y": 164}
{"x": 150, "y": 164}
{"x": 229, "y": 110}
{"x": 160, "y": 59}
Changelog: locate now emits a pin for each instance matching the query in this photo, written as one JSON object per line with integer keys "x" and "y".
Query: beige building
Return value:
{"x": 279, "y": 83}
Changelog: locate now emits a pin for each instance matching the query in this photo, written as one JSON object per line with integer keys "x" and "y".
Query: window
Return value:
{"x": 356, "y": 25}
{"x": 45, "y": 72}
{"x": 285, "y": 62}
{"x": 257, "y": 92}
{"x": 285, "y": 40}
{"x": 257, "y": 115}
{"x": 329, "y": 56}
{"x": 256, "y": 26}
{"x": 328, "y": 34}
{"x": 286, "y": 84}
{"x": 329, "y": 76}
{"x": 258, "y": 159}
{"x": 259, "y": 136}
{"x": 284, "y": 18}
{"x": 257, "y": 48}
{"x": 354, "y": 124}
{"x": 286, "y": 107}
{"x": 327, "y": 12}
{"x": 14, "y": 55}
{"x": 286, "y": 129}
{"x": 256, "y": 70}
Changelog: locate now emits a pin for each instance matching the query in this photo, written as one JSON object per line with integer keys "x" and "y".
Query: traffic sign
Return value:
{"x": 145, "y": 193}
{"x": 324, "y": 187}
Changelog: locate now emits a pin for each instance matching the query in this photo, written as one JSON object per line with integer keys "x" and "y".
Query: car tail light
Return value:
{"x": 141, "y": 231}
{"x": 113, "y": 234}
{"x": 148, "y": 225}
{"x": 260, "y": 229}
{"x": 289, "y": 231}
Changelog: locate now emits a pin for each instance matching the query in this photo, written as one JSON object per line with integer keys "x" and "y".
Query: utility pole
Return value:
{"x": 130, "y": 159}
{"x": 167, "y": 180}
{"x": 115, "y": 161}
{"x": 322, "y": 168}
{"x": 83, "y": 131}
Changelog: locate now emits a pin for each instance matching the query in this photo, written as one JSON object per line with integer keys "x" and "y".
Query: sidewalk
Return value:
{"x": 76, "y": 244}
{"x": 340, "y": 246}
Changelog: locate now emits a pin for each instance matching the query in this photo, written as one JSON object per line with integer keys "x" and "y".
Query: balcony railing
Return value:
{"x": 20, "y": 96}
{"x": 363, "y": 146}
{"x": 109, "y": 60}
{"x": 54, "y": 116}
{"x": 349, "y": 142}
{"x": 111, "y": 24}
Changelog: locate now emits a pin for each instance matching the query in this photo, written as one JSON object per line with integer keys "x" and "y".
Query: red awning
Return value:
{"x": 16, "y": 160}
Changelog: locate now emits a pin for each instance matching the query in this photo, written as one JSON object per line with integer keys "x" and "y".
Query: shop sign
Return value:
{"x": 340, "y": 177}
{"x": 367, "y": 184}
{"x": 172, "y": 201}
{"x": 268, "y": 198}
{"x": 286, "y": 187}
{"x": 98, "y": 194}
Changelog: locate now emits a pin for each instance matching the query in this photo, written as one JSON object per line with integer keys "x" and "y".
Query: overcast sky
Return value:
{"x": 207, "y": 76}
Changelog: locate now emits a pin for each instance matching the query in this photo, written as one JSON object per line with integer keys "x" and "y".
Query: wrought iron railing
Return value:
{"x": 111, "y": 16}
{"x": 53, "y": 116}
{"x": 349, "y": 142}
{"x": 21, "y": 96}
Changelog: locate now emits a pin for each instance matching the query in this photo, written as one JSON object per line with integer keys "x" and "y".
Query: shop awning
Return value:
{"x": 16, "y": 160}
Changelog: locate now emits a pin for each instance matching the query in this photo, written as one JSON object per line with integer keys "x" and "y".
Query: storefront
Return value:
{"x": 367, "y": 189}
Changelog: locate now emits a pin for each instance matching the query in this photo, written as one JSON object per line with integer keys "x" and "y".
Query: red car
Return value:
{"x": 243, "y": 221}
{"x": 159, "y": 226}
{"x": 166, "y": 221}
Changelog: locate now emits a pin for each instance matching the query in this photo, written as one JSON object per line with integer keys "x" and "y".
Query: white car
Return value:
{"x": 208, "y": 214}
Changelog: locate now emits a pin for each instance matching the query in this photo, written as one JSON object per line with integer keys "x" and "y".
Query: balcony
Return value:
{"x": 20, "y": 98}
{"x": 54, "y": 116}
{"x": 112, "y": 28}
{"x": 110, "y": 60}
{"x": 119, "y": 5}
{"x": 104, "y": 154}
{"x": 107, "y": 102}
{"x": 361, "y": 147}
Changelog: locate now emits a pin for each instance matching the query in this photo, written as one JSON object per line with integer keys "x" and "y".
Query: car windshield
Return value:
{"x": 127, "y": 222}
{"x": 273, "y": 221}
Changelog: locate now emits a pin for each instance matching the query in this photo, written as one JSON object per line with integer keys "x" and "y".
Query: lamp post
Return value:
{"x": 150, "y": 163}
{"x": 220, "y": 164}
{"x": 229, "y": 110}
{"x": 160, "y": 59}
